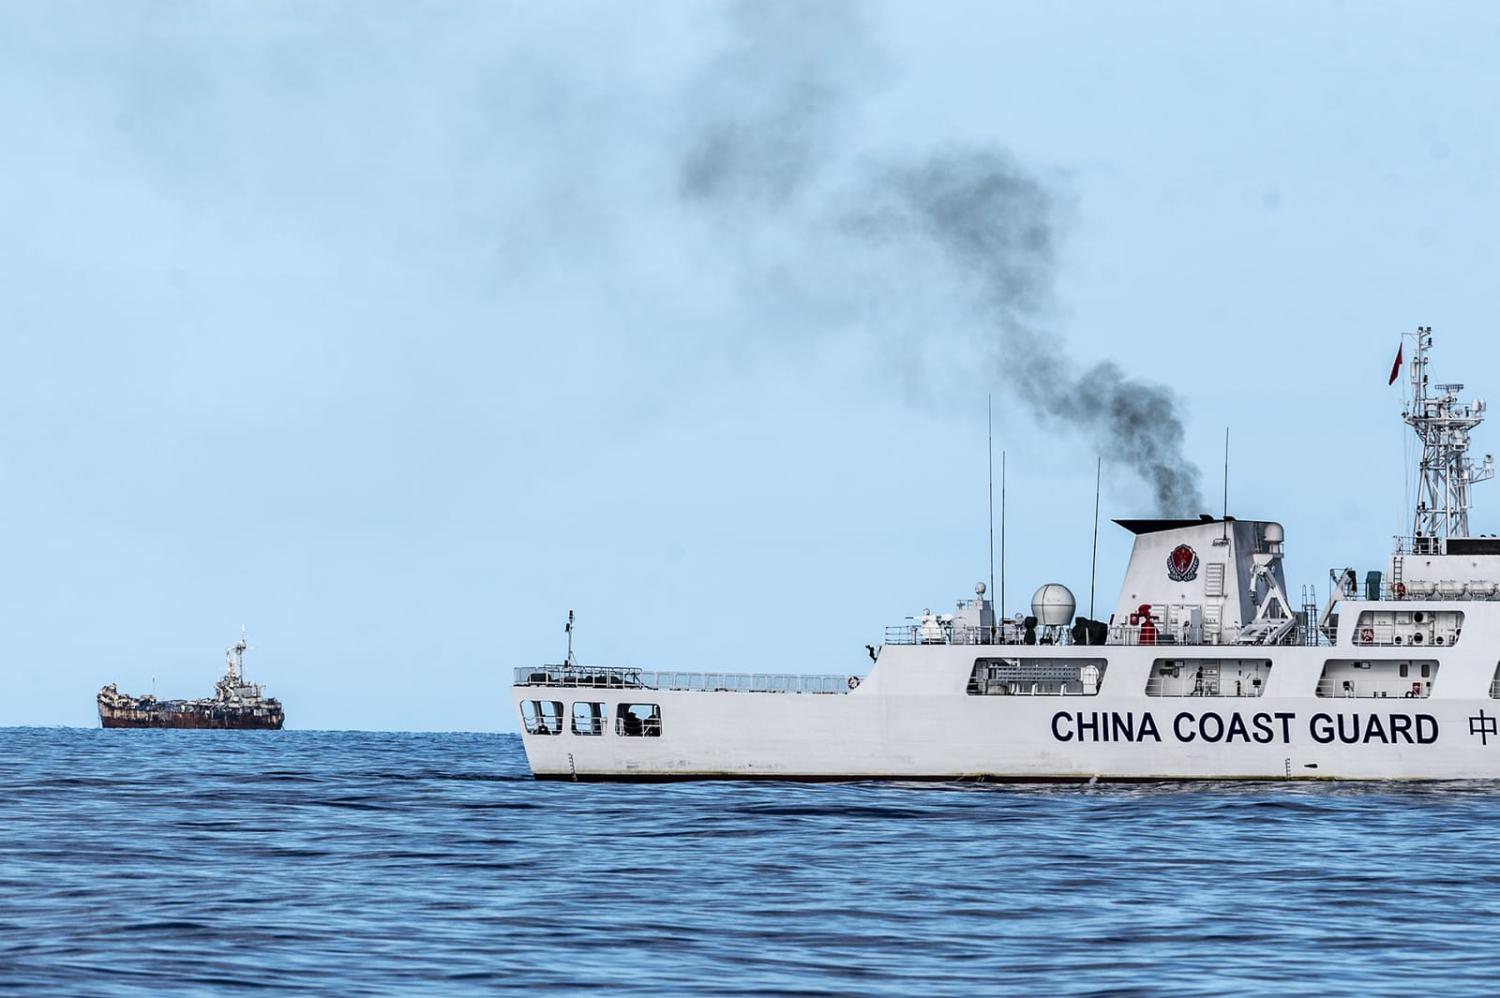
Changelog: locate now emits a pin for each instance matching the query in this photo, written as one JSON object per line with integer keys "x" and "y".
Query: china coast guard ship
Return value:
{"x": 1206, "y": 669}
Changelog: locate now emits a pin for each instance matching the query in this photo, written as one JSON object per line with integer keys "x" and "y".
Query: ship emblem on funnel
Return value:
{"x": 1182, "y": 564}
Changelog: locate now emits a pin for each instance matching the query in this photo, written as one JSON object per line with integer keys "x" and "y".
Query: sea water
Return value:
{"x": 341, "y": 863}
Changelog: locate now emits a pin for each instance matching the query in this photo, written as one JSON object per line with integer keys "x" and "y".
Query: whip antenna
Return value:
{"x": 1225, "y": 537}
{"x": 1094, "y": 558}
{"x": 991, "y": 414}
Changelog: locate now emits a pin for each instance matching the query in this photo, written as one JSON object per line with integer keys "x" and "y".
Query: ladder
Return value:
{"x": 1309, "y": 616}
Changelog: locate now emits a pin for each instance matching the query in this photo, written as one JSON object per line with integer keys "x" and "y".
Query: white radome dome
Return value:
{"x": 1053, "y": 605}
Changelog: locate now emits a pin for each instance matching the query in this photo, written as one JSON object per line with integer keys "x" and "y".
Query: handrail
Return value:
{"x": 609, "y": 677}
{"x": 1130, "y": 634}
{"x": 1197, "y": 636}
{"x": 1213, "y": 689}
{"x": 1426, "y": 590}
{"x": 948, "y": 634}
{"x": 1361, "y": 688}
{"x": 1385, "y": 636}
{"x": 1033, "y": 688}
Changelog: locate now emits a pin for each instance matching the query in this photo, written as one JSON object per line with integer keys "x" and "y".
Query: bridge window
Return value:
{"x": 588, "y": 718}
{"x": 1409, "y": 628}
{"x": 1208, "y": 677}
{"x": 1036, "y": 677}
{"x": 638, "y": 720}
{"x": 1357, "y": 677}
{"x": 542, "y": 717}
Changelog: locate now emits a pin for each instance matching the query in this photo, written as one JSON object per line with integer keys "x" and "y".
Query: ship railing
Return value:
{"x": 1035, "y": 685}
{"x": 573, "y": 675}
{"x": 603, "y": 677}
{"x": 1008, "y": 634}
{"x": 1416, "y": 545}
{"x": 1396, "y": 689}
{"x": 1386, "y": 636}
{"x": 1119, "y": 634}
{"x": 949, "y": 634}
{"x": 1296, "y": 635}
{"x": 1130, "y": 634}
{"x": 1387, "y": 589}
{"x": 1220, "y": 688}
{"x": 1466, "y": 590}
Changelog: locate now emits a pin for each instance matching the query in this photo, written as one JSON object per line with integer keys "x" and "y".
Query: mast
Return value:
{"x": 234, "y": 659}
{"x": 992, "y": 496}
{"x": 233, "y": 683}
{"x": 1094, "y": 557}
{"x": 1442, "y": 423}
{"x": 1002, "y": 534}
{"x": 1225, "y": 535}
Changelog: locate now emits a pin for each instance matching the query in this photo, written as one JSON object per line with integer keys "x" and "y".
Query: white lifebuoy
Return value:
{"x": 1367, "y": 635}
{"x": 854, "y": 682}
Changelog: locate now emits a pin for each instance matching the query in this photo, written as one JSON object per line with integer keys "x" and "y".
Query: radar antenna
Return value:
{"x": 1443, "y": 424}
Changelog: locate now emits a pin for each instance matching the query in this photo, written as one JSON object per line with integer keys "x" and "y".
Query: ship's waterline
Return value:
{"x": 1206, "y": 669}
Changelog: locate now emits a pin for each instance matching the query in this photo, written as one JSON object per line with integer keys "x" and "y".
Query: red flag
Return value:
{"x": 1396, "y": 367}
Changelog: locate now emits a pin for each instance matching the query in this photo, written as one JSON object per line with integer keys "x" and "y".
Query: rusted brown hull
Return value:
{"x": 163, "y": 715}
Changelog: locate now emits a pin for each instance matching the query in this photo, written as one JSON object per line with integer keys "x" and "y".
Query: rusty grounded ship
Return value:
{"x": 236, "y": 703}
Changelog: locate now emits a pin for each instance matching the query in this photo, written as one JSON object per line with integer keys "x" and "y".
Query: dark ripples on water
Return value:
{"x": 347, "y": 863}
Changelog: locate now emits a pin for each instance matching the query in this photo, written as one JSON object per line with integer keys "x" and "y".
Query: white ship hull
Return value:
{"x": 912, "y": 719}
{"x": 1205, "y": 669}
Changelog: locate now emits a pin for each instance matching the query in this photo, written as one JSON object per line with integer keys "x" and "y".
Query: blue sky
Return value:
{"x": 389, "y": 331}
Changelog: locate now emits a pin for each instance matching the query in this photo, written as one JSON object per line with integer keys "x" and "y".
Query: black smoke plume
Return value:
{"x": 764, "y": 146}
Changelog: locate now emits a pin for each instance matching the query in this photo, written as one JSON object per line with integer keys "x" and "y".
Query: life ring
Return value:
{"x": 1367, "y": 635}
{"x": 1399, "y": 589}
{"x": 854, "y": 682}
